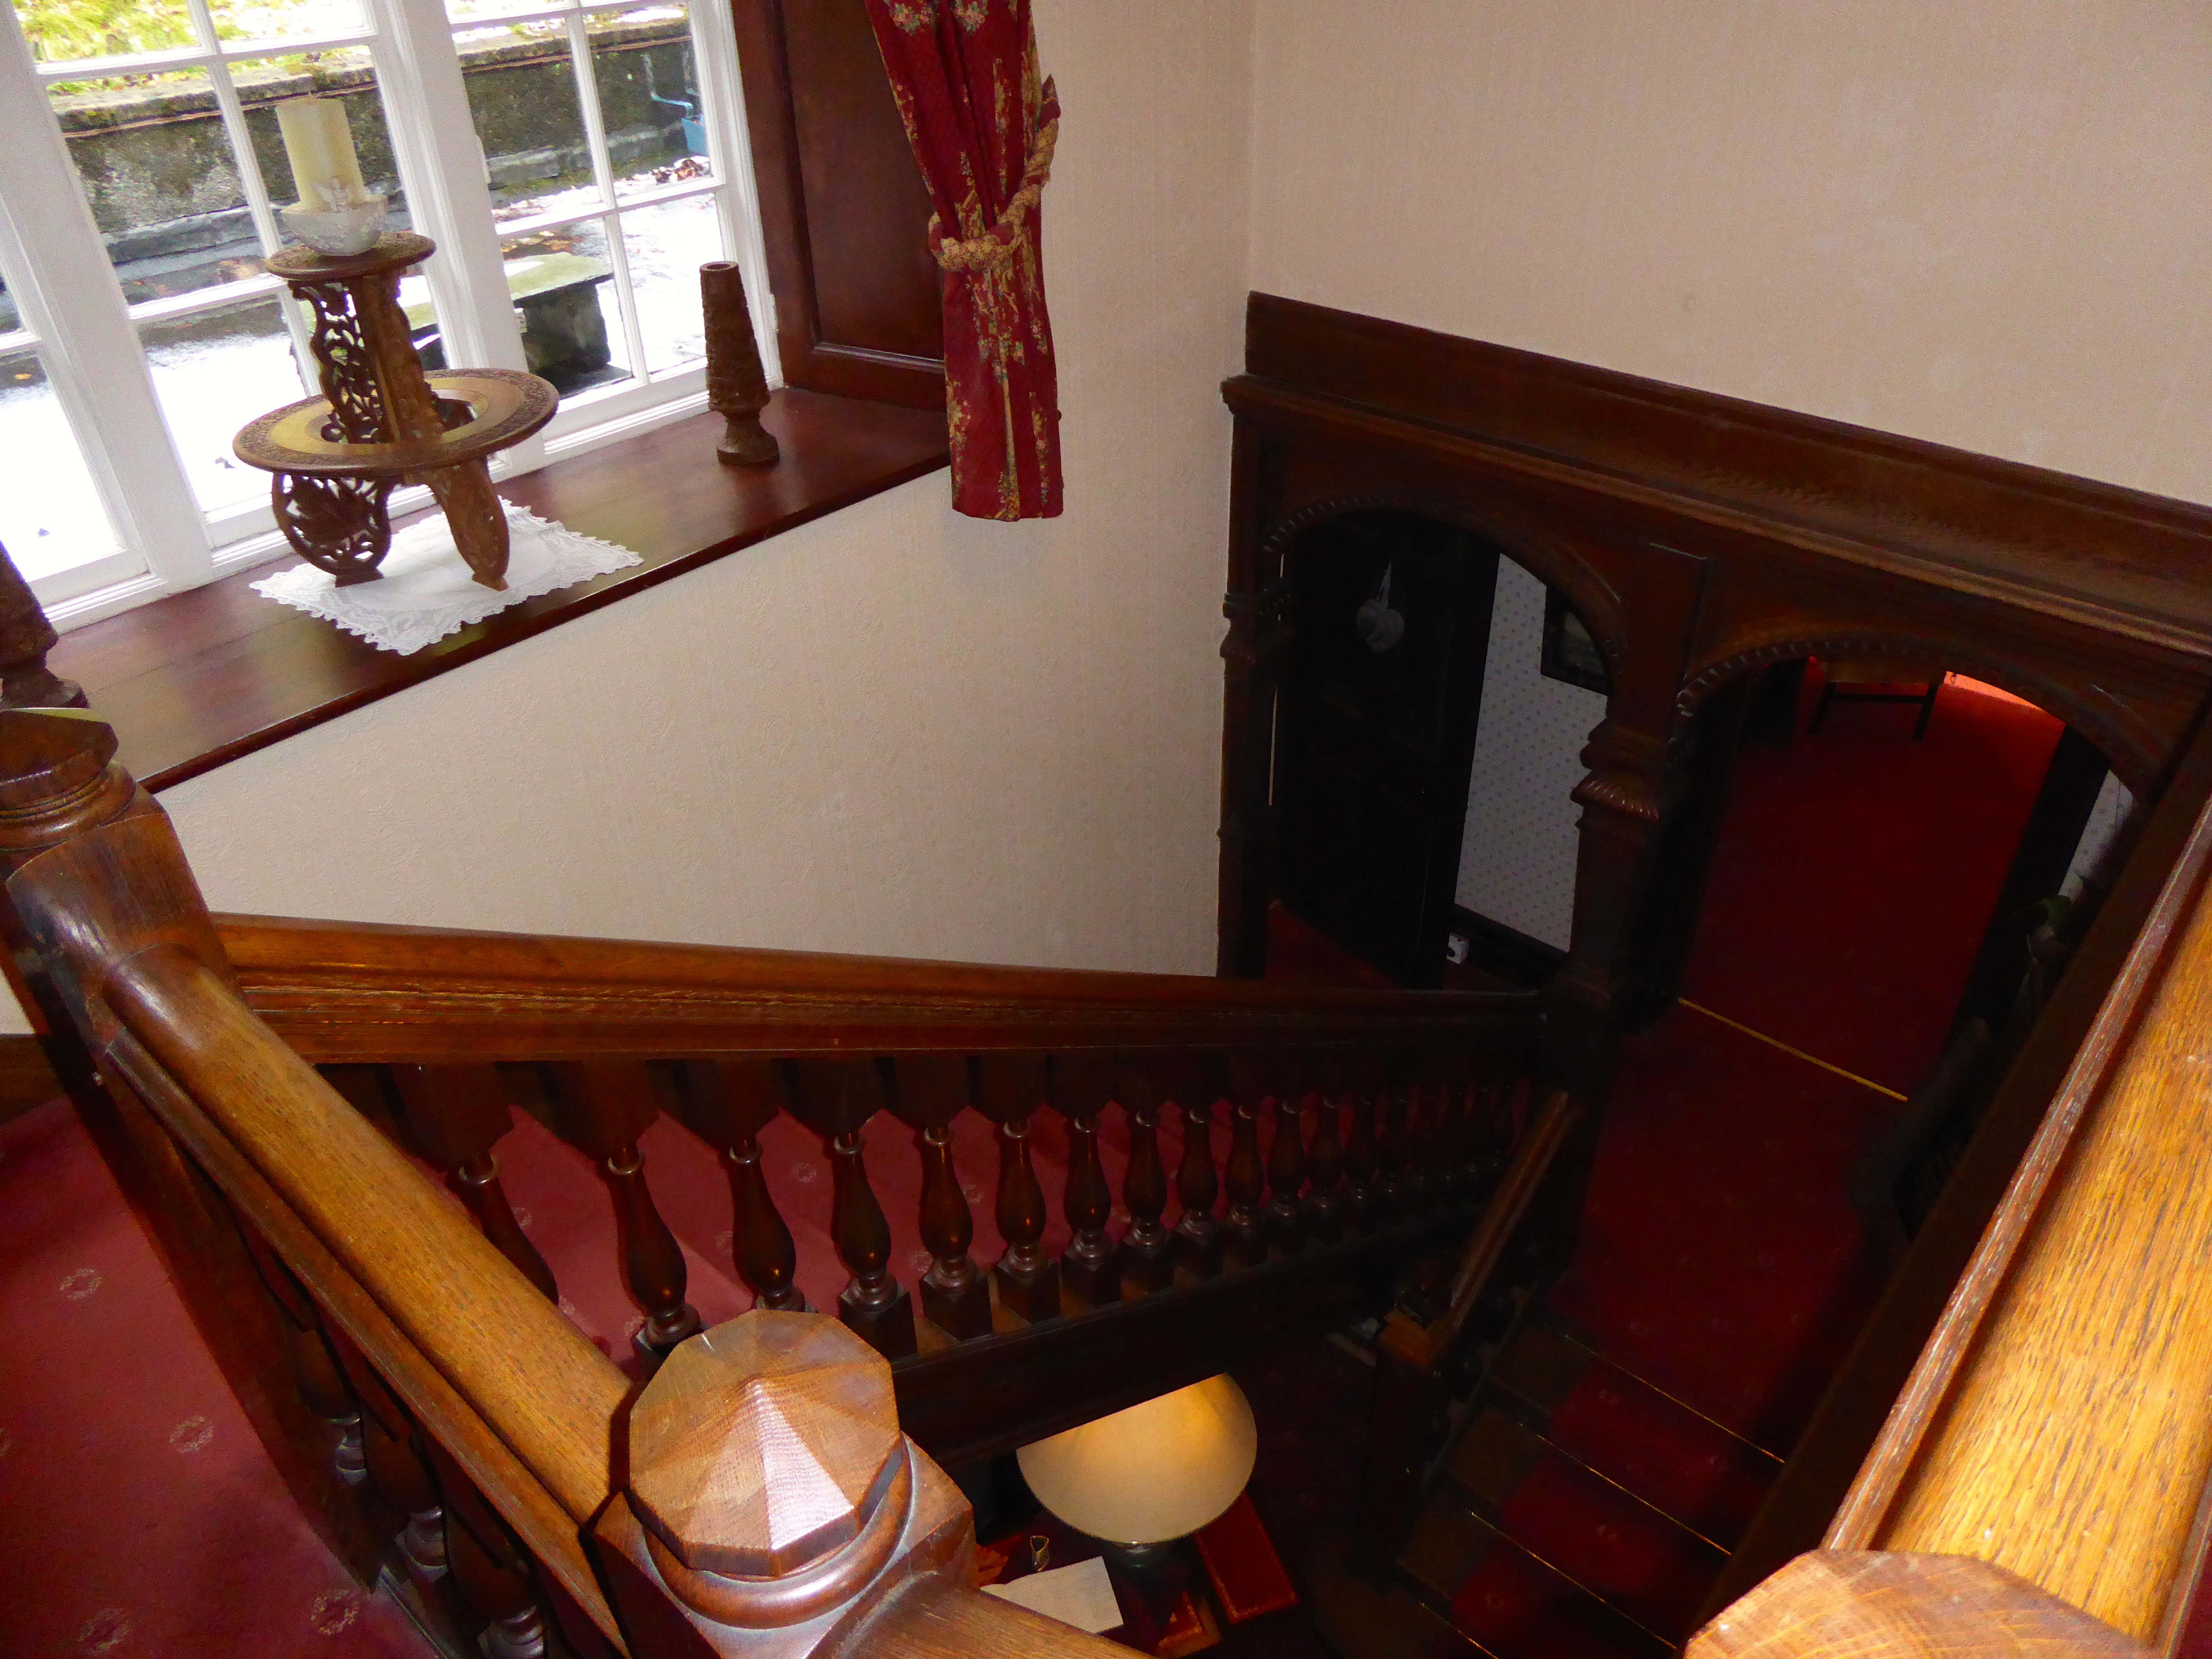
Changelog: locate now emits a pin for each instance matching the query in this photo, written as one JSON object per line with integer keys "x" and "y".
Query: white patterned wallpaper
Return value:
{"x": 1516, "y": 860}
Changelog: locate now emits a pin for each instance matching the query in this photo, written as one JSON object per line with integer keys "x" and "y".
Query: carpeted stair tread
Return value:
{"x": 1609, "y": 1542}
{"x": 1845, "y": 842}
{"x": 1512, "y": 1604}
{"x": 1720, "y": 1257}
{"x": 1682, "y": 1464}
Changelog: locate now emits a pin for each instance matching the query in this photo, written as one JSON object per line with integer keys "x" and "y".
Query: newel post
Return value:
{"x": 772, "y": 1507}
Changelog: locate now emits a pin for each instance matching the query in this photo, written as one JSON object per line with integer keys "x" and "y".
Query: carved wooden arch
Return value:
{"x": 1554, "y": 563}
{"x": 2126, "y": 751}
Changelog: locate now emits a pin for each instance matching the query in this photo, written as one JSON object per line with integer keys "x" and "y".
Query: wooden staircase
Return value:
{"x": 1581, "y": 1510}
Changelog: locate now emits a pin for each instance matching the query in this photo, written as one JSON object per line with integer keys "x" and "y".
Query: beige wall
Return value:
{"x": 1986, "y": 222}
{"x": 894, "y": 730}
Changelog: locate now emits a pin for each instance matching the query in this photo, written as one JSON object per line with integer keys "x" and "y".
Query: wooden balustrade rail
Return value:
{"x": 490, "y": 1454}
{"x": 2044, "y": 1479}
{"x": 1359, "y": 1126}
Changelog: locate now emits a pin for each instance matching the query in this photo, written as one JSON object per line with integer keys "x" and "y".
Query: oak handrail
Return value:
{"x": 345, "y": 991}
{"x": 540, "y": 1383}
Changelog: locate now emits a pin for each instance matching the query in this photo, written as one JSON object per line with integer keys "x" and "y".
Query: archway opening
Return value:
{"x": 1433, "y": 708}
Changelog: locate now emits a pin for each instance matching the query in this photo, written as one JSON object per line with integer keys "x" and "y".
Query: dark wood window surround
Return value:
{"x": 198, "y": 678}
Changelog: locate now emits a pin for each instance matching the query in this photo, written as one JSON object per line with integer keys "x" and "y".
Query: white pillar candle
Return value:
{"x": 325, "y": 170}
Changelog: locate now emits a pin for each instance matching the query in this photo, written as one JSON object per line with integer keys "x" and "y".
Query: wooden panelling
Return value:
{"x": 1699, "y": 537}
{"x": 858, "y": 296}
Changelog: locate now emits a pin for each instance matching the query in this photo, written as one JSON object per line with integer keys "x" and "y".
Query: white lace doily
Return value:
{"x": 426, "y": 592}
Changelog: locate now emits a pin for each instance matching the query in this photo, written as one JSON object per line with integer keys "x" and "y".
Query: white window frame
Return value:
{"x": 74, "y": 311}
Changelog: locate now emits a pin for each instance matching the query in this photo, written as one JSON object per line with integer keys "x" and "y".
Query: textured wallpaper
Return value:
{"x": 1516, "y": 860}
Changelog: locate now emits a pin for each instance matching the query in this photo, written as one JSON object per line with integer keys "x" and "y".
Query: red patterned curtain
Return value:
{"x": 983, "y": 126}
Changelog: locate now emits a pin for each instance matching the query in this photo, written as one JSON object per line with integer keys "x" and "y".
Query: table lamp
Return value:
{"x": 1142, "y": 1478}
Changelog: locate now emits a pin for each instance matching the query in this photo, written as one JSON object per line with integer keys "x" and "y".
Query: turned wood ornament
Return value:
{"x": 767, "y": 1447}
{"x": 381, "y": 422}
{"x": 737, "y": 386}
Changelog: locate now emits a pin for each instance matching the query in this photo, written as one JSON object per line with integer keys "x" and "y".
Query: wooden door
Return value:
{"x": 1375, "y": 734}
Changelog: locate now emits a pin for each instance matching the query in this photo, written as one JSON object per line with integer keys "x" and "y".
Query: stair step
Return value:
{"x": 1683, "y": 1464}
{"x": 1514, "y": 1605}
{"x": 1609, "y": 1540}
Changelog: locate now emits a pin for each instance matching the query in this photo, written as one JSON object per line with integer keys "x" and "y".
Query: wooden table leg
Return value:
{"x": 478, "y": 519}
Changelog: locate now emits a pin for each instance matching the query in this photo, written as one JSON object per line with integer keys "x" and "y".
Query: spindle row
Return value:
{"x": 1323, "y": 1147}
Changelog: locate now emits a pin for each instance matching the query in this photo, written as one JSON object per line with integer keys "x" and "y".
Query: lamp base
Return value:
{"x": 1143, "y": 1557}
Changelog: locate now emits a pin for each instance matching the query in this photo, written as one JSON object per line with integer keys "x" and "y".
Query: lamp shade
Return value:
{"x": 1154, "y": 1472}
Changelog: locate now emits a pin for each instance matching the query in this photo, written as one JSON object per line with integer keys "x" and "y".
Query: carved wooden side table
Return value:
{"x": 381, "y": 423}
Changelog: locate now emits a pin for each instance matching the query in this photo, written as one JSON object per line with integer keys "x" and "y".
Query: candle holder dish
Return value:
{"x": 381, "y": 422}
{"x": 354, "y": 228}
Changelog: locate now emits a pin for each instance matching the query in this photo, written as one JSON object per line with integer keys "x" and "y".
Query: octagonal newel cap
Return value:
{"x": 763, "y": 1444}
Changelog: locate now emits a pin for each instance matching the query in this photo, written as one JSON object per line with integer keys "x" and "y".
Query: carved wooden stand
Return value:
{"x": 381, "y": 423}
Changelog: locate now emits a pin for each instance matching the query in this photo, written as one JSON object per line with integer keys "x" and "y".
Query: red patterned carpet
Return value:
{"x": 141, "y": 1514}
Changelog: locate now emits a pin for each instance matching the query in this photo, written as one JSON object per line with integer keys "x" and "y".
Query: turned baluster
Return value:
{"x": 604, "y": 1107}
{"x": 926, "y": 1092}
{"x": 1393, "y": 1143}
{"x": 1008, "y": 1089}
{"x": 393, "y": 1443}
{"x": 836, "y": 1098}
{"x": 453, "y": 1115}
{"x": 1198, "y": 1232}
{"x": 729, "y": 1103}
{"x": 490, "y": 1566}
{"x": 315, "y": 1367}
{"x": 1083, "y": 1082}
{"x": 1359, "y": 1192}
{"x": 1244, "y": 1176}
{"x": 1325, "y": 1161}
{"x": 1423, "y": 1180}
{"x": 1286, "y": 1163}
{"x": 1147, "y": 1252}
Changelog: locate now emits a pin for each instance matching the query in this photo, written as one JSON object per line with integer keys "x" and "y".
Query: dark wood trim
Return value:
{"x": 1507, "y": 952}
{"x": 843, "y": 210}
{"x": 1701, "y": 539}
{"x": 197, "y": 679}
{"x": 340, "y": 991}
{"x": 1972, "y": 523}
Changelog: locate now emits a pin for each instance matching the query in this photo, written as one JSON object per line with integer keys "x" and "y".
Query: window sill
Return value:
{"x": 198, "y": 678}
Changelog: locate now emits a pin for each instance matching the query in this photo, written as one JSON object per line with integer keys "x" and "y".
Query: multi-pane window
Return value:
{"x": 574, "y": 162}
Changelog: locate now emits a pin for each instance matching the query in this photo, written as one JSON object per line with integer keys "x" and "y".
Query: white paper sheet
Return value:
{"x": 1081, "y": 1595}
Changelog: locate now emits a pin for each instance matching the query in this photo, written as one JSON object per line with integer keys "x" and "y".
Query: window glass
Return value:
{"x": 285, "y": 20}
{"x": 648, "y": 81}
{"x": 214, "y": 371}
{"x": 667, "y": 243}
{"x": 521, "y": 83}
{"x": 51, "y": 516}
{"x": 61, "y": 33}
{"x": 562, "y": 281}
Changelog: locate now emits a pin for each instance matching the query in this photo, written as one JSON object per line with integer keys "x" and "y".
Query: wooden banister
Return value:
{"x": 106, "y": 912}
{"x": 542, "y": 1388}
{"x": 350, "y": 992}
